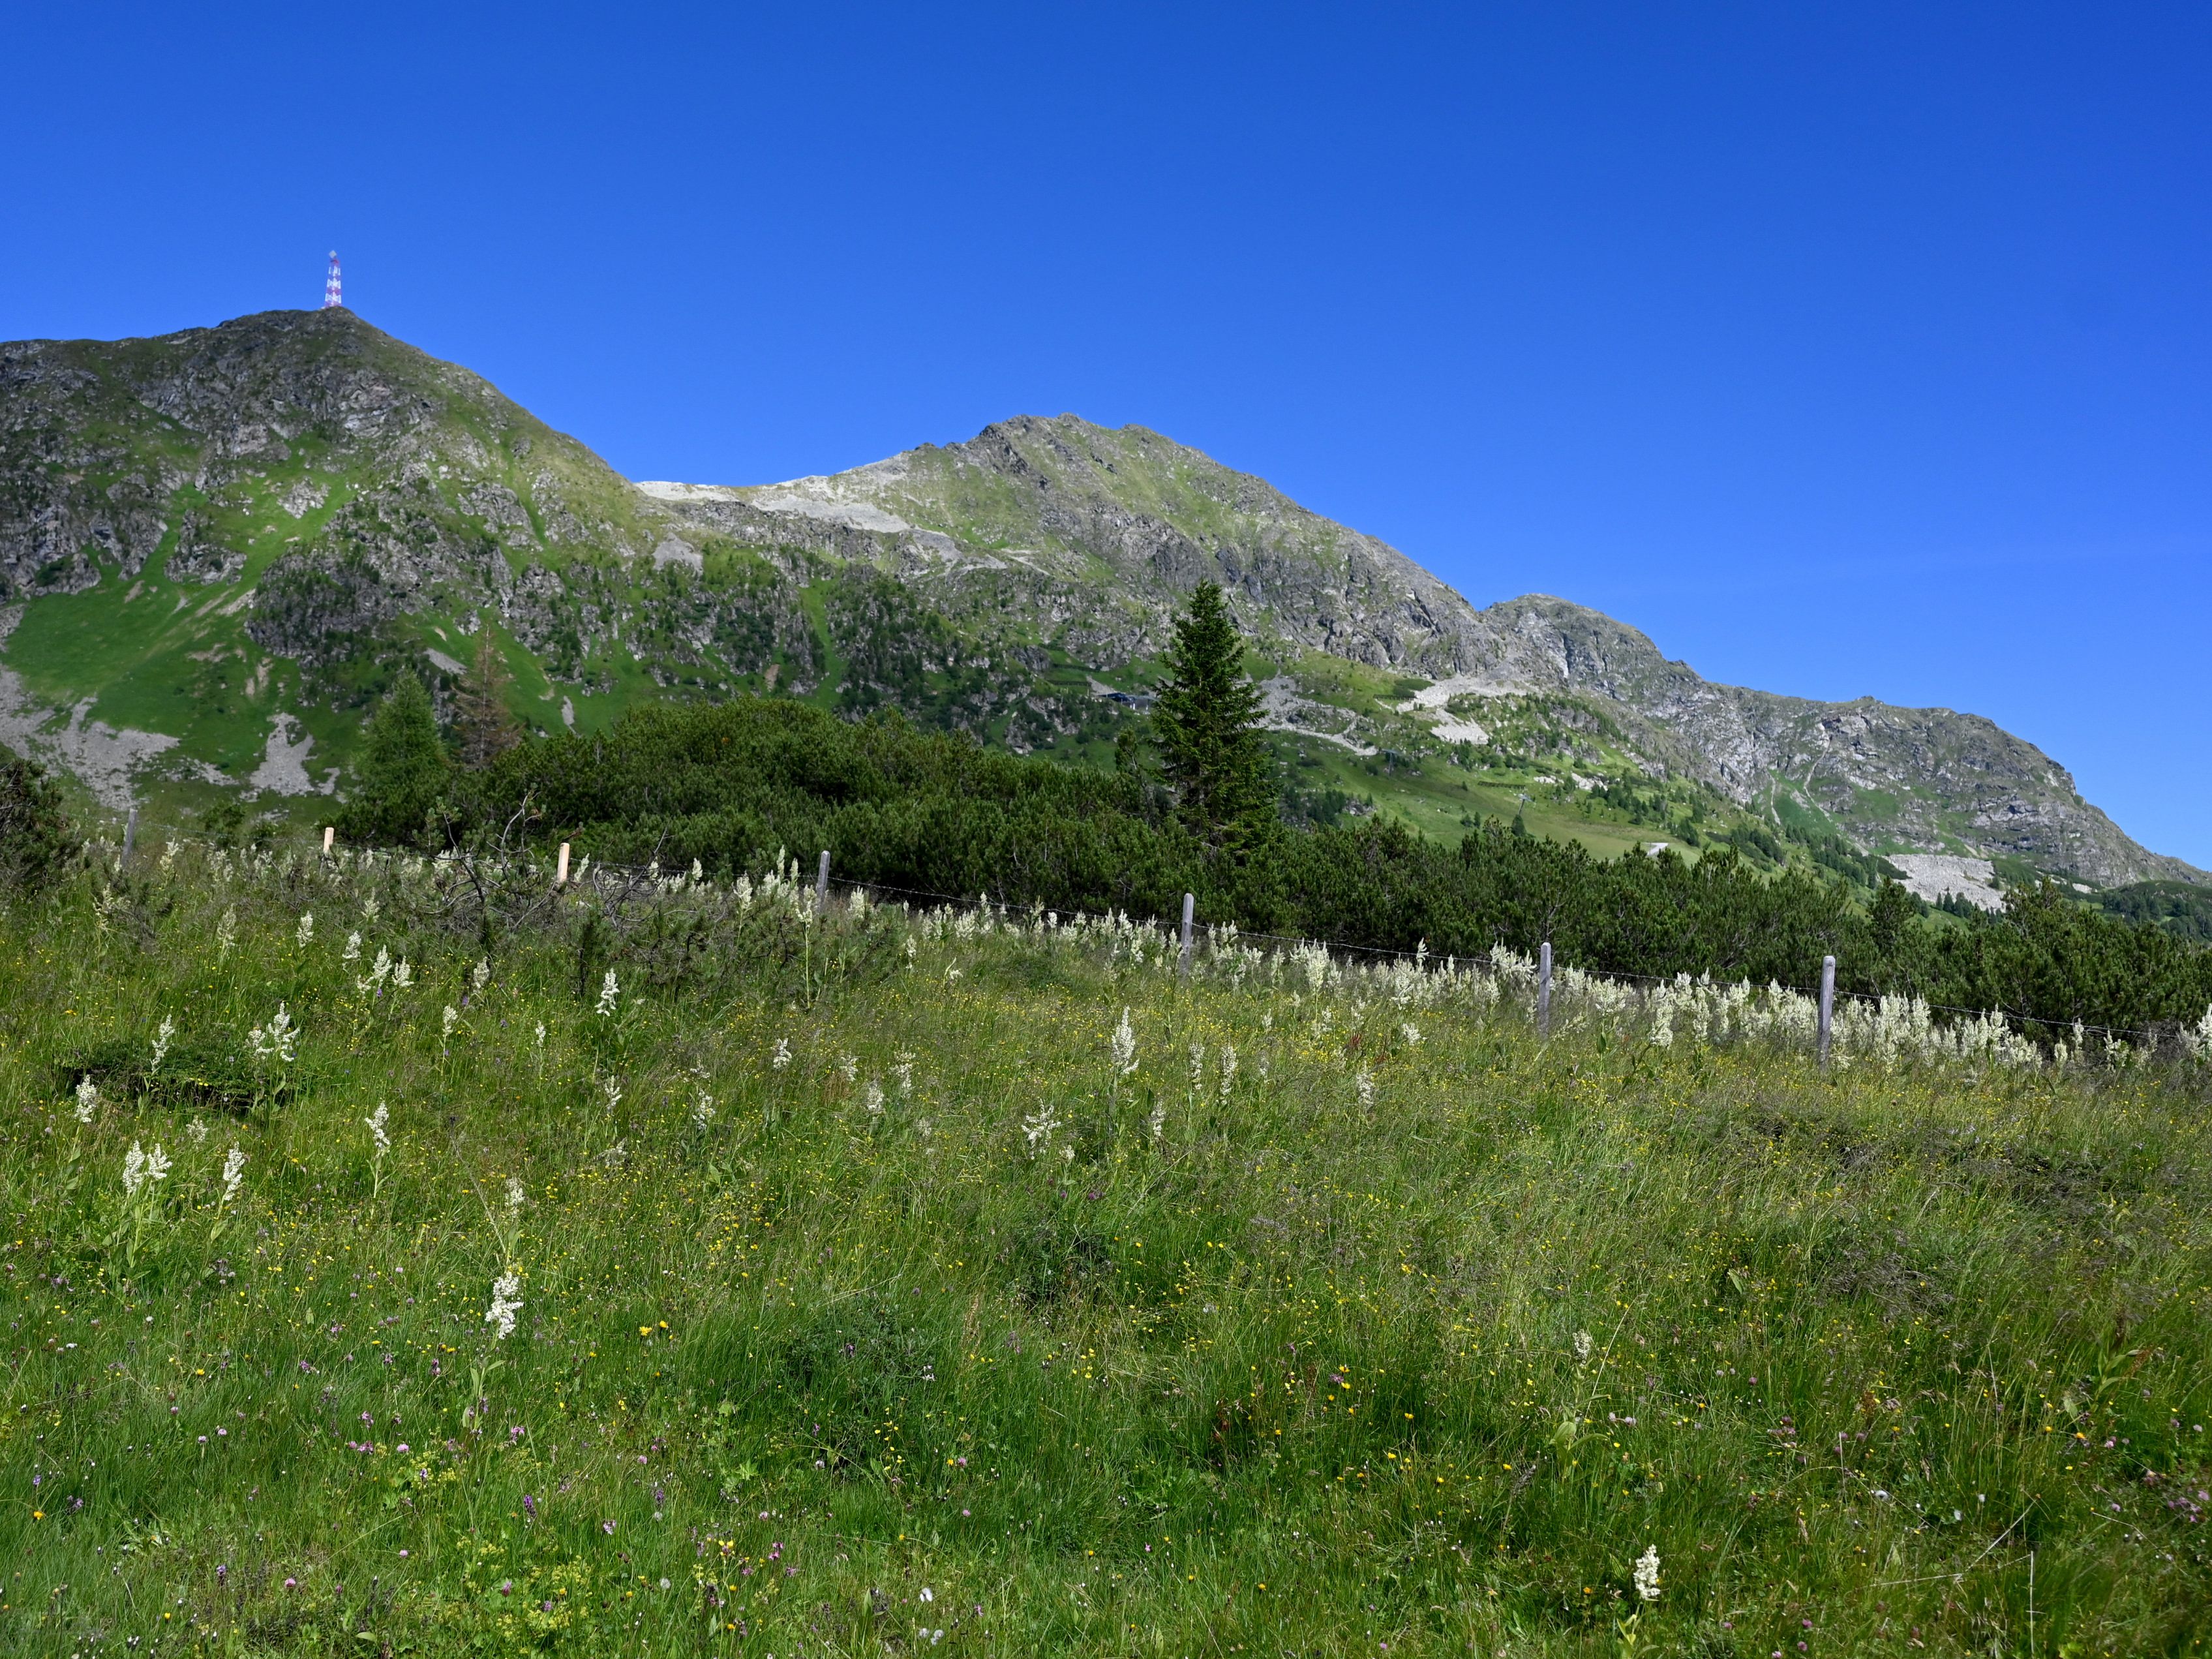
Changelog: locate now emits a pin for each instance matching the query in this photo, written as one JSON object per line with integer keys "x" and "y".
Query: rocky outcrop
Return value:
{"x": 1927, "y": 779}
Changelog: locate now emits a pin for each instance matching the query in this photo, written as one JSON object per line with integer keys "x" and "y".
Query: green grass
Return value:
{"x": 155, "y": 655}
{"x": 1410, "y": 1330}
{"x": 1440, "y": 799}
{"x": 814, "y": 602}
{"x": 1434, "y": 788}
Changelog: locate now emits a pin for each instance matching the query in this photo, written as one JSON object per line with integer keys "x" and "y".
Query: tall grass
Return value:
{"x": 867, "y": 1292}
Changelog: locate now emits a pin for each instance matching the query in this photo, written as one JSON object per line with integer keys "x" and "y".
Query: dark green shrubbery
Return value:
{"x": 2179, "y": 908}
{"x": 37, "y": 840}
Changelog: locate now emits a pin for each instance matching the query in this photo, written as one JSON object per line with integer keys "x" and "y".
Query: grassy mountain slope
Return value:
{"x": 216, "y": 536}
{"x": 216, "y": 546}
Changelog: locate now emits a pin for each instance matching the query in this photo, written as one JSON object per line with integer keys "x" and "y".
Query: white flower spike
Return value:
{"x": 233, "y": 1171}
{"x": 506, "y": 1302}
{"x": 278, "y": 1040}
{"x": 1124, "y": 1046}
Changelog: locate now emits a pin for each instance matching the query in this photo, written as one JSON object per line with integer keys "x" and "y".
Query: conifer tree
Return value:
{"x": 1207, "y": 725}
{"x": 484, "y": 726}
{"x": 404, "y": 768}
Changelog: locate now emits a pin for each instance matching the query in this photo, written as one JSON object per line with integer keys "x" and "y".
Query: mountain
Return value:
{"x": 214, "y": 545}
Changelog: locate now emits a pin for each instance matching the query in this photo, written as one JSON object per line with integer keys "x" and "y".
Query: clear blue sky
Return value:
{"x": 1844, "y": 350}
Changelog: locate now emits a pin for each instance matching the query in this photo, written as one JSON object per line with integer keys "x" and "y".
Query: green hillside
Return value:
{"x": 407, "y": 1258}
{"x": 210, "y": 536}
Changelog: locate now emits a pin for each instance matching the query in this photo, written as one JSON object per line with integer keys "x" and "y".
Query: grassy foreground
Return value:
{"x": 866, "y": 1287}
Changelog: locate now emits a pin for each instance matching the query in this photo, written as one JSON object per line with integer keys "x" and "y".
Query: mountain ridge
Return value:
{"x": 1534, "y": 643}
{"x": 307, "y": 501}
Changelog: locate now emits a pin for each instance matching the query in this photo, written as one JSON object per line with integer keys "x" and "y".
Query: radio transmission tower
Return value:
{"x": 332, "y": 299}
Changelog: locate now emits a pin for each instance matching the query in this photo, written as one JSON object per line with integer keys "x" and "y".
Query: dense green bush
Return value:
{"x": 36, "y": 837}
{"x": 731, "y": 784}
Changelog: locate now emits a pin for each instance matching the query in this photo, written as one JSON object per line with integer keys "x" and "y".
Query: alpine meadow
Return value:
{"x": 1044, "y": 1072}
{"x": 414, "y": 1253}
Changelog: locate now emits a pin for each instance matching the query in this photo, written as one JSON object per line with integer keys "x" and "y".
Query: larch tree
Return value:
{"x": 484, "y": 726}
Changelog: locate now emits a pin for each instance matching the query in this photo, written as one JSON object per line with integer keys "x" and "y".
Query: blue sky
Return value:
{"x": 1844, "y": 350}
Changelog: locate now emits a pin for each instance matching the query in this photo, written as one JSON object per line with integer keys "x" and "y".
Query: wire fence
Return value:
{"x": 592, "y": 871}
{"x": 1485, "y": 959}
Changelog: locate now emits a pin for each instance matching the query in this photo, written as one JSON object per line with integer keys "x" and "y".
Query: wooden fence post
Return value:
{"x": 822, "y": 885}
{"x": 1544, "y": 991}
{"x": 561, "y": 872}
{"x": 129, "y": 833}
{"x": 330, "y": 838}
{"x": 1190, "y": 906}
{"x": 1827, "y": 1005}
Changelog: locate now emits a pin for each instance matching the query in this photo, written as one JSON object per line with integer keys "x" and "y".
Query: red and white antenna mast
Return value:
{"x": 332, "y": 299}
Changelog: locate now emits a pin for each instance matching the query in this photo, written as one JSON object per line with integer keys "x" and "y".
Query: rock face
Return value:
{"x": 1936, "y": 876}
{"x": 302, "y": 500}
{"x": 1927, "y": 779}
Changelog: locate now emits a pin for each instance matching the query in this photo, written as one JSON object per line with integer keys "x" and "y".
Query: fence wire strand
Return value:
{"x": 1484, "y": 958}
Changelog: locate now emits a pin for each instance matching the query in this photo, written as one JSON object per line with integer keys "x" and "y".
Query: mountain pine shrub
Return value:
{"x": 37, "y": 839}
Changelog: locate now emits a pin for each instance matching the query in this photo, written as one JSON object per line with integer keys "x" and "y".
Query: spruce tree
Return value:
{"x": 404, "y": 768}
{"x": 483, "y": 725}
{"x": 1206, "y": 723}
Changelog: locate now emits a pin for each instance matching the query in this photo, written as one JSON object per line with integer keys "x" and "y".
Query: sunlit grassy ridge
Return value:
{"x": 872, "y": 1285}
